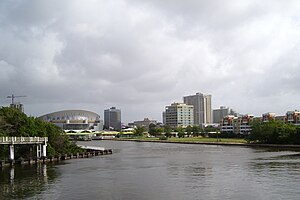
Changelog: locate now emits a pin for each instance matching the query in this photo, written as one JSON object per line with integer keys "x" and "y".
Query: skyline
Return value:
{"x": 142, "y": 56}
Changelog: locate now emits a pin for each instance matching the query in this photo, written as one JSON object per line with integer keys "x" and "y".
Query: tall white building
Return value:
{"x": 202, "y": 108}
{"x": 179, "y": 115}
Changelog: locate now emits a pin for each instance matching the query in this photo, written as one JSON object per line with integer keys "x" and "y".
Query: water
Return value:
{"x": 160, "y": 171}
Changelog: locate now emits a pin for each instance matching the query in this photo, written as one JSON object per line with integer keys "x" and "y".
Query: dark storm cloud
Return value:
{"x": 142, "y": 55}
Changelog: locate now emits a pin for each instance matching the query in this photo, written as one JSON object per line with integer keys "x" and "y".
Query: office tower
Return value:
{"x": 179, "y": 115}
{"x": 112, "y": 119}
{"x": 202, "y": 108}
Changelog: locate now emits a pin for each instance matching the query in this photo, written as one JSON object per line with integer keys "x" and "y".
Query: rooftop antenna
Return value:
{"x": 12, "y": 97}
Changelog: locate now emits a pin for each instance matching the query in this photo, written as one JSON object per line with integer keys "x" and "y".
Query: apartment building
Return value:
{"x": 266, "y": 117}
{"x": 293, "y": 117}
{"x": 228, "y": 124}
{"x": 179, "y": 115}
{"x": 237, "y": 125}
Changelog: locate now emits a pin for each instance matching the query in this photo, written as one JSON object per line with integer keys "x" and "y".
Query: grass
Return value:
{"x": 206, "y": 139}
{"x": 197, "y": 139}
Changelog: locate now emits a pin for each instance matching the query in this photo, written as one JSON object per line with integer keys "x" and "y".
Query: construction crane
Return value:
{"x": 12, "y": 97}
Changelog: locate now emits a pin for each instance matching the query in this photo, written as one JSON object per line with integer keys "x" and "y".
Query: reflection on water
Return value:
{"x": 289, "y": 162}
{"x": 25, "y": 181}
{"x": 148, "y": 171}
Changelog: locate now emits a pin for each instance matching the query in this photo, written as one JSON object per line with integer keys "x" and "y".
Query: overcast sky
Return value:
{"x": 141, "y": 55}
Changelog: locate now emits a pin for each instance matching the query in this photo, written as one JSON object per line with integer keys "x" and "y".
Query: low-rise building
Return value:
{"x": 17, "y": 106}
{"x": 237, "y": 125}
{"x": 280, "y": 118}
{"x": 266, "y": 117}
{"x": 228, "y": 124}
{"x": 144, "y": 123}
{"x": 244, "y": 124}
{"x": 293, "y": 117}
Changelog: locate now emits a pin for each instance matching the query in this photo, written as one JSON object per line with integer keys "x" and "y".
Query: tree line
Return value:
{"x": 15, "y": 123}
{"x": 274, "y": 132}
{"x": 166, "y": 131}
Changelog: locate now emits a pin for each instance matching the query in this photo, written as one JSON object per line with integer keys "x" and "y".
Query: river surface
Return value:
{"x": 160, "y": 171}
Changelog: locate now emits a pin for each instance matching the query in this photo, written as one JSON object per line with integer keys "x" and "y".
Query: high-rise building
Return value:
{"x": 112, "y": 119}
{"x": 164, "y": 117}
{"x": 179, "y": 115}
{"x": 221, "y": 112}
{"x": 202, "y": 108}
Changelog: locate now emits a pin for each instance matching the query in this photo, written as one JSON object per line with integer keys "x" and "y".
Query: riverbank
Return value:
{"x": 222, "y": 141}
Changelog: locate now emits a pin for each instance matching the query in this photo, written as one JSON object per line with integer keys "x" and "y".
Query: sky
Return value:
{"x": 140, "y": 56}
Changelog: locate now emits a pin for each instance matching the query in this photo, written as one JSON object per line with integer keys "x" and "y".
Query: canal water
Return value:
{"x": 160, "y": 171}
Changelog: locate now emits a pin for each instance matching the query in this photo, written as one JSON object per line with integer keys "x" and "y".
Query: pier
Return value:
{"x": 96, "y": 149}
{"x": 40, "y": 142}
{"x": 41, "y": 145}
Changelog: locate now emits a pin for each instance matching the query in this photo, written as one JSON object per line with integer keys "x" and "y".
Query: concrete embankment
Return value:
{"x": 296, "y": 147}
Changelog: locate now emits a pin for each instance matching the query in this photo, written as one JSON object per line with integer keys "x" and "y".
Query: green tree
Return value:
{"x": 274, "y": 132}
{"x": 180, "y": 131}
{"x": 189, "y": 130}
{"x": 168, "y": 130}
{"x": 196, "y": 130}
{"x": 139, "y": 131}
{"x": 152, "y": 129}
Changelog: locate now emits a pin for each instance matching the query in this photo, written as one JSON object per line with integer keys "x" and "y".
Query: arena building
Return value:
{"x": 75, "y": 120}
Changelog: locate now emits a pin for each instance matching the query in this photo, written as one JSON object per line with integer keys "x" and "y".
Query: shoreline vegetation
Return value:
{"x": 273, "y": 133}
{"x": 14, "y": 123}
{"x": 210, "y": 141}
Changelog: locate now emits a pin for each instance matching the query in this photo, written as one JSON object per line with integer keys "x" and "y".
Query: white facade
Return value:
{"x": 179, "y": 115}
{"x": 75, "y": 120}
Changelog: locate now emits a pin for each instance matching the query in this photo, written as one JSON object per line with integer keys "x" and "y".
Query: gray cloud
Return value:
{"x": 143, "y": 55}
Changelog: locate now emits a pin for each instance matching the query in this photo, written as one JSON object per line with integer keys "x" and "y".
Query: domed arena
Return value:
{"x": 75, "y": 120}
